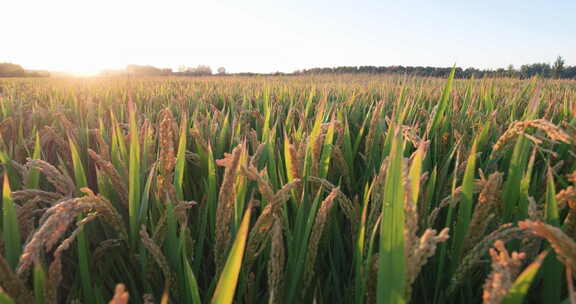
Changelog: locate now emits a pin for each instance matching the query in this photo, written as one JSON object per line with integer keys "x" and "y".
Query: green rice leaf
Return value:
{"x": 192, "y": 285}
{"x": 519, "y": 289}
{"x": 181, "y": 159}
{"x": 326, "y": 152}
{"x": 392, "y": 271}
{"x": 134, "y": 174}
{"x": 5, "y": 299}
{"x": 466, "y": 203}
{"x": 39, "y": 283}
{"x": 226, "y": 287}
{"x": 33, "y": 181}
{"x": 10, "y": 228}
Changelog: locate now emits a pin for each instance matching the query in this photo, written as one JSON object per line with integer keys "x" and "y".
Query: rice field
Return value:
{"x": 307, "y": 189}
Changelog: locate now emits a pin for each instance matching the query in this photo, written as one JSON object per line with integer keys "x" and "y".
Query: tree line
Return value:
{"x": 557, "y": 70}
{"x": 148, "y": 70}
{"x": 15, "y": 70}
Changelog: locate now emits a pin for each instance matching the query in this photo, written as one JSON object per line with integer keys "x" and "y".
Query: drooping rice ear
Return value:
{"x": 276, "y": 263}
{"x": 348, "y": 207}
{"x": 263, "y": 224}
{"x": 555, "y": 133}
{"x": 316, "y": 234}
{"x": 505, "y": 269}
{"x": 57, "y": 220}
{"x": 61, "y": 182}
{"x": 487, "y": 203}
{"x": 166, "y": 155}
{"x": 121, "y": 296}
{"x": 226, "y": 200}
{"x": 418, "y": 256}
{"x": 55, "y": 269}
{"x": 562, "y": 244}
{"x": 156, "y": 253}
{"x": 108, "y": 168}
{"x": 12, "y": 284}
{"x": 504, "y": 233}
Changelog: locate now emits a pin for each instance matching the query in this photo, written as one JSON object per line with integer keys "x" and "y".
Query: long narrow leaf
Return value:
{"x": 226, "y": 287}
{"x": 392, "y": 268}
{"x": 10, "y": 229}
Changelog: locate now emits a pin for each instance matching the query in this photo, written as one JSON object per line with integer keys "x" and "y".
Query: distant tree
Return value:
{"x": 143, "y": 70}
{"x": 221, "y": 71}
{"x": 11, "y": 70}
{"x": 544, "y": 70}
{"x": 200, "y": 70}
{"x": 540, "y": 69}
{"x": 511, "y": 70}
{"x": 15, "y": 70}
{"x": 569, "y": 72}
{"x": 558, "y": 67}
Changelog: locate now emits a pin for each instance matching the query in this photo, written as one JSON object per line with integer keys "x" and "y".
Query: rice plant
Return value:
{"x": 296, "y": 189}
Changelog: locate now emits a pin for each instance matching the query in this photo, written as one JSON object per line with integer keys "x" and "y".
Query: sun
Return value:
{"x": 87, "y": 73}
{"x": 83, "y": 62}
{"x": 82, "y": 68}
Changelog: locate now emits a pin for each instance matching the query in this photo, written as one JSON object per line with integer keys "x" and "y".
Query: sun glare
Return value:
{"x": 84, "y": 73}
{"x": 82, "y": 64}
{"x": 87, "y": 65}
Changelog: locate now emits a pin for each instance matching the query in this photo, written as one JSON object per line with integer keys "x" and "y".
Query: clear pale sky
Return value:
{"x": 267, "y": 36}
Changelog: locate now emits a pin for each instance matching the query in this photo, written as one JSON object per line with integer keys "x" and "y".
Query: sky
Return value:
{"x": 268, "y": 36}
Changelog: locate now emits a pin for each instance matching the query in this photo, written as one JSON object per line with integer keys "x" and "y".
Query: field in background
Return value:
{"x": 308, "y": 189}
